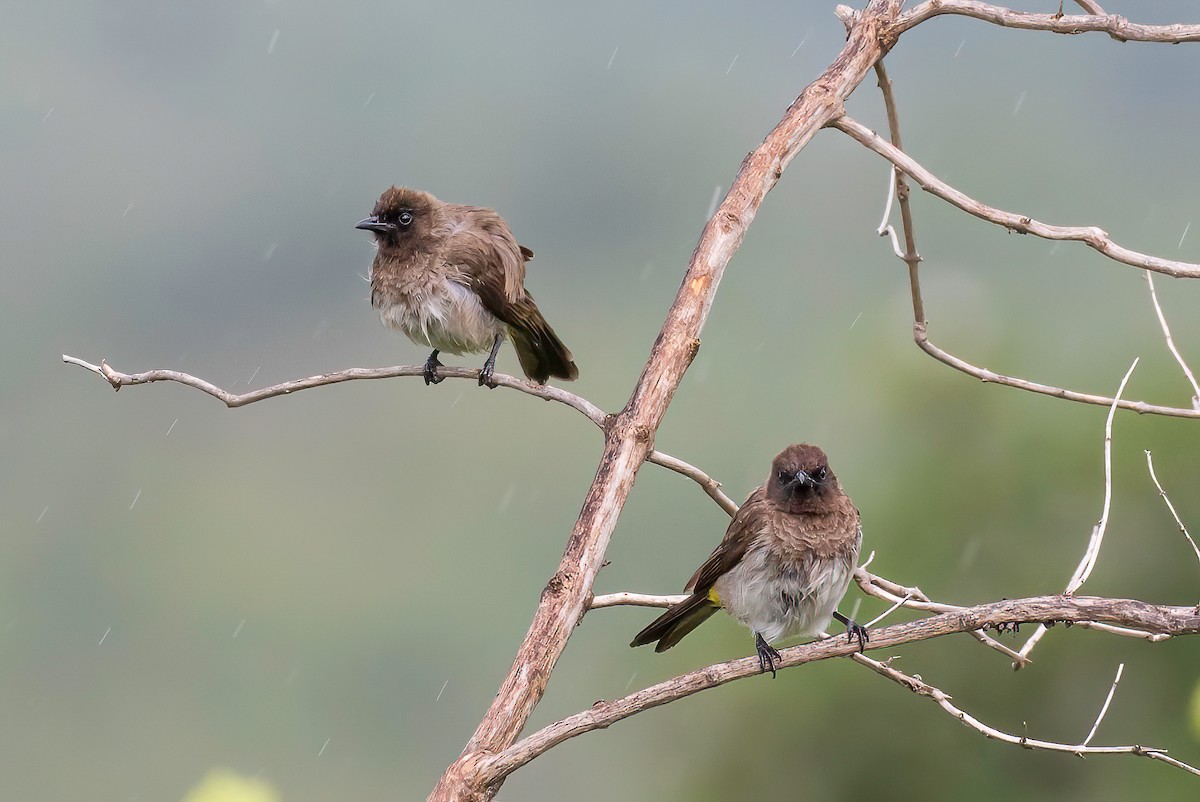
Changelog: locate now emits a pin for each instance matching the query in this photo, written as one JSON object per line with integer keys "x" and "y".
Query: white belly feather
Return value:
{"x": 446, "y": 316}
{"x": 780, "y": 602}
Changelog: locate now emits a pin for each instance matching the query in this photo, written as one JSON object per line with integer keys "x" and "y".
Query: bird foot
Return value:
{"x": 855, "y": 631}
{"x": 431, "y": 366}
{"x": 767, "y": 655}
{"x": 485, "y": 376}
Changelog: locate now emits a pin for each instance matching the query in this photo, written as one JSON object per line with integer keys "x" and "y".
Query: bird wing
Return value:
{"x": 745, "y": 526}
{"x": 479, "y": 242}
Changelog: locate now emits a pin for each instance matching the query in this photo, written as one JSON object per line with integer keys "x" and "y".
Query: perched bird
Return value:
{"x": 784, "y": 564}
{"x": 453, "y": 277}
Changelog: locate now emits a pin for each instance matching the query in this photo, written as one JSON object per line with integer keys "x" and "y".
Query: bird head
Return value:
{"x": 800, "y": 472}
{"x": 401, "y": 215}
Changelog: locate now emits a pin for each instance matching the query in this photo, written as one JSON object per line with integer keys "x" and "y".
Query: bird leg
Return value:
{"x": 489, "y": 365}
{"x": 766, "y": 655}
{"x": 854, "y": 630}
{"x": 431, "y": 366}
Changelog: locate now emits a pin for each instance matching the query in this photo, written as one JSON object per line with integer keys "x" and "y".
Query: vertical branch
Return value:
{"x": 630, "y": 434}
{"x": 910, "y": 255}
{"x": 1084, "y": 569}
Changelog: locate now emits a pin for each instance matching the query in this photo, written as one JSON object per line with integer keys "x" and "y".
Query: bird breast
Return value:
{"x": 784, "y": 598}
{"x": 441, "y": 313}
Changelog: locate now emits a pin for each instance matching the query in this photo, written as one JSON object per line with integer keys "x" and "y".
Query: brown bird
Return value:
{"x": 453, "y": 277}
{"x": 784, "y": 564}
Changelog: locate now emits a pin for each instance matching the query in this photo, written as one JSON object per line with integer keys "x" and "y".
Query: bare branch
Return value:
{"x": 889, "y": 591}
{"x": 1092, "y": 553}
{"x": 630, "y": 434}
{"x": 1089, "y": 235}
{"x": 1170, "y": 506}
{"x": 1162, "y": 321}
{"x": 1093, "y": 550}
{"x": 875, "y": 621}
{"x": 1091, "y": 7}
{"x": 921, "y": 336}
{"x": 1117, "y": 27}
{"x": 942, "y": 699}
{"x": 706, "y": 482}
{"x": 1124, "y": 612}
{"x": 234, "y": 400}
{"x": 633, "y": 600}
{"x": 1104, "y": 708}
{"x": 544, "y": 391}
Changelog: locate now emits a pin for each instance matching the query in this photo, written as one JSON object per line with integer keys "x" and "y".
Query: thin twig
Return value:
{"x": 1104, "y": 708}
{"x": 1162, "y": 321}
{"x": 1089, "y": 235}
{"x": 234, "y": 400}
{"x": 1088, "y": 563}
{"x": 1117, "y": 27}
{"x": 710, "y": 486}
{"x": 1092, "y": 553}
{"x": 874, "y": 621}
{"x": 633, "y": 600}
{"x": 932, "y": 184}
{"x": 1170, "y": 506}
{"x": 544, "y": 391}
{"x": 1171, "y": 620}
{"x": 1092, "y": 7}
{"x": 921, "y": 337}
{"x": 942, "y": 699}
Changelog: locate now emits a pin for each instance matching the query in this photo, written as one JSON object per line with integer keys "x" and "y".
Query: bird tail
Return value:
{"x": 670, "y": 627}
{"x": 539, "y": 350}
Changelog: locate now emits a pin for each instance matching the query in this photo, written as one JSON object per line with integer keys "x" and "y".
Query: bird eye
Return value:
{"x": 784, "y": 477}
{"x": 405, "y": 219}
{"x": 820, "y": 473}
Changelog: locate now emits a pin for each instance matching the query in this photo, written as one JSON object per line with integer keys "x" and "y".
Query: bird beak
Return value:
{"x": 802, "y": 479}
{"x": 372, "y": 224}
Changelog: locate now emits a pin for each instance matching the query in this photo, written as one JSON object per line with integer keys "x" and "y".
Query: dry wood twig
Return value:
{"x": 1092, "y": 553}
{"x": 1171, "y": 507}
{"x": 942, "y": 700}
{"x": 544, "y": 391}
{"x": 1115, "y": 26}
{"x": 1091, "y": 236}
{"x": 1123, "y": 612}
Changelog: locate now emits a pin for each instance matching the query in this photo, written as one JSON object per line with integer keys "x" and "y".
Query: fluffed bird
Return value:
{"x": 453, "y": 277}
{"x": 784, "y": 564}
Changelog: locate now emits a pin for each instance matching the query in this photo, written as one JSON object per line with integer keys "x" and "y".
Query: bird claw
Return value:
{"x": 767, "y": 655}
{"x": 430, "y": 374}
{"x": 855, "y": 631}
{"x": 485, "y": 377}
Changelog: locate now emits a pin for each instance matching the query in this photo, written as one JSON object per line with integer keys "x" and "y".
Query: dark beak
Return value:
{"x": 802, "y": 479}
{"x": 372, "y": 224}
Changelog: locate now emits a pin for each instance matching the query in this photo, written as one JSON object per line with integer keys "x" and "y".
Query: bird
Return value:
{"x": 453, "y": 277}
{"x": 784, "y": 564}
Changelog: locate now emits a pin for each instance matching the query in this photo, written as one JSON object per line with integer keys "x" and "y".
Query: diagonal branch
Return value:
{"x": 1170, "y": 506}
{"x": 1115, "y": 26}
{"x": 902, "y": 162}
{"x": 1002, "y": 614}
{"x": 1162, "y": 322}
{"x": 1092, "y": 553}
{"x": 1092, "y": 236}
{"x": 942, "y": 699}
{"x": 630, "y": 435}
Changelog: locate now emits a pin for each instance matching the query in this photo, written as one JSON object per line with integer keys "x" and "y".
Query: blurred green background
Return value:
{"x": 325, "y": 590}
